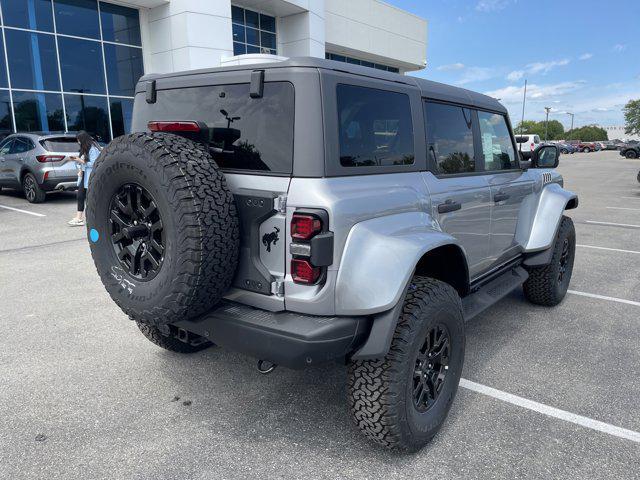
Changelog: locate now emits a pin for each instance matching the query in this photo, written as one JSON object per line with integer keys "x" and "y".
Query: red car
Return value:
{"x": 587, "y": 147}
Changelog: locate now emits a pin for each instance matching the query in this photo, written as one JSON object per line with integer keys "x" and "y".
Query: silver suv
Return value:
{"x": 37, "y": 163}
{"x": 308, "y": 211}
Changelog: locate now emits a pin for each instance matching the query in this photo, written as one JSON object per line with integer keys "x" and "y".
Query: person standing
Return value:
{"x": 89, "y": 152}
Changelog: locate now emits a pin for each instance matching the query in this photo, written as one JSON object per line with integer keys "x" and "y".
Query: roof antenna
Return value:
{"x": 524, "y": 101}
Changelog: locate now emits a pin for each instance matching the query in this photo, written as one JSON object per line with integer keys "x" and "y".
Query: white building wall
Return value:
{"x": 616, "y": 132}
{"x": 190, "y": 34}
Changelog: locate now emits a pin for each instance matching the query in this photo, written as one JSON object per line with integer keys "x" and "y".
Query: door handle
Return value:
{"x": 449, "y": 206}
{"x": 499, "y": 197}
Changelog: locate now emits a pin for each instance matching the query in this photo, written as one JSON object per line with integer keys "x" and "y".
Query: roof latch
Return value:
{"x": 151, "y": 91}
{"x": 257, "y": 84}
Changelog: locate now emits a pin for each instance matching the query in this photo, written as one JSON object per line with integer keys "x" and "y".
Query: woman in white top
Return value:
{"x": 89, "y": 151}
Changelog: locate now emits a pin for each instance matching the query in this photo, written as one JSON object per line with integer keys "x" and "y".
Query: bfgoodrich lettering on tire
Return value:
{"x": 401, "y": 401}
{"x": 164, "y": 228}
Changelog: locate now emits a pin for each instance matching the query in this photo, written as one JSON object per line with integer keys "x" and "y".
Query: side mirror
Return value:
{"x": 545, "y": 156}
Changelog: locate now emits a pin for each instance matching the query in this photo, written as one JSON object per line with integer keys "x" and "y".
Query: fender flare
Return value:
{"x": 552, "y": 203}
{"x": 379, "y": 258}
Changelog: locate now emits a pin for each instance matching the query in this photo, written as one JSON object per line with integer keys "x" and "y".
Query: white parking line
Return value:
{"x": 607, "y": 248}
{"x": 552, "y": 411}
{"x": 604, "y": 297}
{"x": 632, "y": 198}
{"x": 23, "y": 211}
{"x": 623, "y": 208}
{"x": 612, "y": 224}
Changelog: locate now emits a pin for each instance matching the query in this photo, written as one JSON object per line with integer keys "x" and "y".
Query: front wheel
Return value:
{"x": 32, "y": 191}
{"x": 547, "y": 285}
{"x": 631, "y": 154}
{"x": 402, "y": 400}
{"x": 586, "y": 150}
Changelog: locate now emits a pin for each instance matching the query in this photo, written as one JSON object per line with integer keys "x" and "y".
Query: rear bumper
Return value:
{"x": 60, "y": 184}
{"x": 284, "y": 338}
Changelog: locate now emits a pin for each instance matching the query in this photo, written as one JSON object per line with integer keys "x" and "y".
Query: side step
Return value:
{"x": 491, "y": 292}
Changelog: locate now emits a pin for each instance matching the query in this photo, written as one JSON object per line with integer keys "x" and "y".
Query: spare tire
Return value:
{"x": 163, "y": 227}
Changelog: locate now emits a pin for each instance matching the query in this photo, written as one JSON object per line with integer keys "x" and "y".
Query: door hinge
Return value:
{"x": 277, "y": 287}
{"x": 280, "y": 203}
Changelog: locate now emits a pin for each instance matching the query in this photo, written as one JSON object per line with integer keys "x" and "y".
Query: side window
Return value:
{"x": 5, "y": 146}
{"x": 375, "y": 127}
{"x": 450, "y": 138}
{"x": 20, "y": 145}
{"x": 497, "y": 148}
{"x": 536, "y": 139}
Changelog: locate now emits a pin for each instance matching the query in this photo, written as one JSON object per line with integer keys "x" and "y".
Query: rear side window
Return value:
{"x": 450, "y": 138}
{"x": 536, "y": 139}
{"x": 521, "y": 139}
{"x": 497, "y": 148}
{"x": 245, "y": 133}
{"x": 60, "y": 145}
{"x": 375, "y": 127}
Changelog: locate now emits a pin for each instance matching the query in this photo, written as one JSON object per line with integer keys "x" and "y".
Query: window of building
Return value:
{"x": 120, "y": 24}
{"x": 45, "y": 79}
{"x": 375, "y": 127}
{"x": 450, "y": 138}
{"x": 89, "y": 113}
{"x": 497, "y": 148}
{"x": 246, "y": 133}
{"x": 77, "y": 17}
{"x": 253, "y": 32}
{"x": 38, "y": 112}
{"x": 32, "y": 60}
{"x": 364, "y": 63}
{"x": 31, "y": 14}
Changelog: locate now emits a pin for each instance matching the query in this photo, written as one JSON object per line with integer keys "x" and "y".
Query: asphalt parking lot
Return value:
{"x": 84, "y": 395}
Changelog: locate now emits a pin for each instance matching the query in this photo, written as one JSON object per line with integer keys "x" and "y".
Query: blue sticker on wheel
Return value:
{"x": 94, "y": 235}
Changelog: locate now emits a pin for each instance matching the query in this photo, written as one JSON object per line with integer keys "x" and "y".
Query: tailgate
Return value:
{"x": 63, "y": 147}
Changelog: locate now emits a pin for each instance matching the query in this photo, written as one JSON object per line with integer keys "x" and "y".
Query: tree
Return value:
{"x": 556, "y": 130}
{"x": 588, "y": 133}
{"x": 632, "y": 117}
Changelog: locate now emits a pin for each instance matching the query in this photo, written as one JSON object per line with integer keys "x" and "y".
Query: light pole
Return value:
{"x": 546, "y": 123}
{"x": 572, "y": 115}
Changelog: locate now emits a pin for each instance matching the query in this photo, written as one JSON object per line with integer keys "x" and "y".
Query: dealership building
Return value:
{"x": 68, "y": 65}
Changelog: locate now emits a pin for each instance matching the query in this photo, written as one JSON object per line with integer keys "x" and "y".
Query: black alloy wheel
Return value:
{"x": 136, "y": 231}
{"x": 432, "y": 363}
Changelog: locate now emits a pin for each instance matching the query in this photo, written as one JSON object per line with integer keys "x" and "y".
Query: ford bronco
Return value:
{"x": 307, "y": 211}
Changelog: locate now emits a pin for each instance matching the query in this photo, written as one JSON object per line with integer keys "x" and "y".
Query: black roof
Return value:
{"x": 428, "y": 88}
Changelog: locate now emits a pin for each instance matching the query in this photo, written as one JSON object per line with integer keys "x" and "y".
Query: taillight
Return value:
{"x": 303, "y": 227}
{"x": 49, "y": 158}
{"x": 533, "y": 146}
{"x": 303, "y": 272}
{"x": 173, "y": 126}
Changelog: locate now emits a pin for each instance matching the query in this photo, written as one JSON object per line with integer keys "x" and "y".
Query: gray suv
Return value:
{"x": 308, "y": 211}
{"x": 37, "y": 163}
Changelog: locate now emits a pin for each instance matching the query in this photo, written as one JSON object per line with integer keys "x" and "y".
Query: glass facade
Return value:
{"x": 68, "y": 65}
{"x": 253, "y": 32}
{"x": 364, "y": 63}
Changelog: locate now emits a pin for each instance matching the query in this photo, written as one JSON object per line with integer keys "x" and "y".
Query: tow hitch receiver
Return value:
{"x": 265, "y": 367}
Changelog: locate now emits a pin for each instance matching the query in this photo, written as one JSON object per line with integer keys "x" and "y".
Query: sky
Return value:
{"x": 578, "y": 56}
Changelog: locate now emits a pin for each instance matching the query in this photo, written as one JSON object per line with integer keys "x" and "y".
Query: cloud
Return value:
{"x": 492, "y": 5}
{"x": 535, "y": 68}
{"x": 585, "y": 56}
{"x": 513, "y": 94}
{"x": 476, "y": 74}
{"x": 450, "y": 67}
{"x": 619, "y": 47}
{"x": 515, "y": 75}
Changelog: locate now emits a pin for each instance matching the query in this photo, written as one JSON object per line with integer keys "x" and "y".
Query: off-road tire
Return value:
{"x": 32, "y": 191}
{"x": 199, "y": 218}
{"x": 170, "y": 342}
{"x": 544, "y": 287}
{"x": 380, "y": 390}
{"x": 631, "y": 154}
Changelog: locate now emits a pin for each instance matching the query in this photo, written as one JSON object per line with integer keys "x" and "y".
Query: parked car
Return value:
{"x": 587, "y": 147}
{"x": 338, "y": 233}
{"x": 567, "y": 148}
{"x": 37, "y": 163}
{"x": 527, "y": 143}
{"x": 630, "y": 151}
{"x": 610, "y": 146}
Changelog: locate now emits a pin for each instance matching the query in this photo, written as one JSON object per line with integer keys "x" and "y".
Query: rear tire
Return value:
{"x": 163, "y": 227}
{"x": 32, "y": 191}
{"x": 547, "y": 285}
{"x": 586, "y": 150}
{"x": 386, "y": 395}
{"x": 166, "y": 338}
{"x": 631, "y": 154}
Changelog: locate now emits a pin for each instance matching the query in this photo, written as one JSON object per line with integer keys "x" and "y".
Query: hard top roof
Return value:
{"x": 429, "y": 89}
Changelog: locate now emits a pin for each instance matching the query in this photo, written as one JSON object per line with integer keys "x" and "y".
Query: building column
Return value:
{"x": 302, "y": 34}
{"x": 186, "y": 35}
